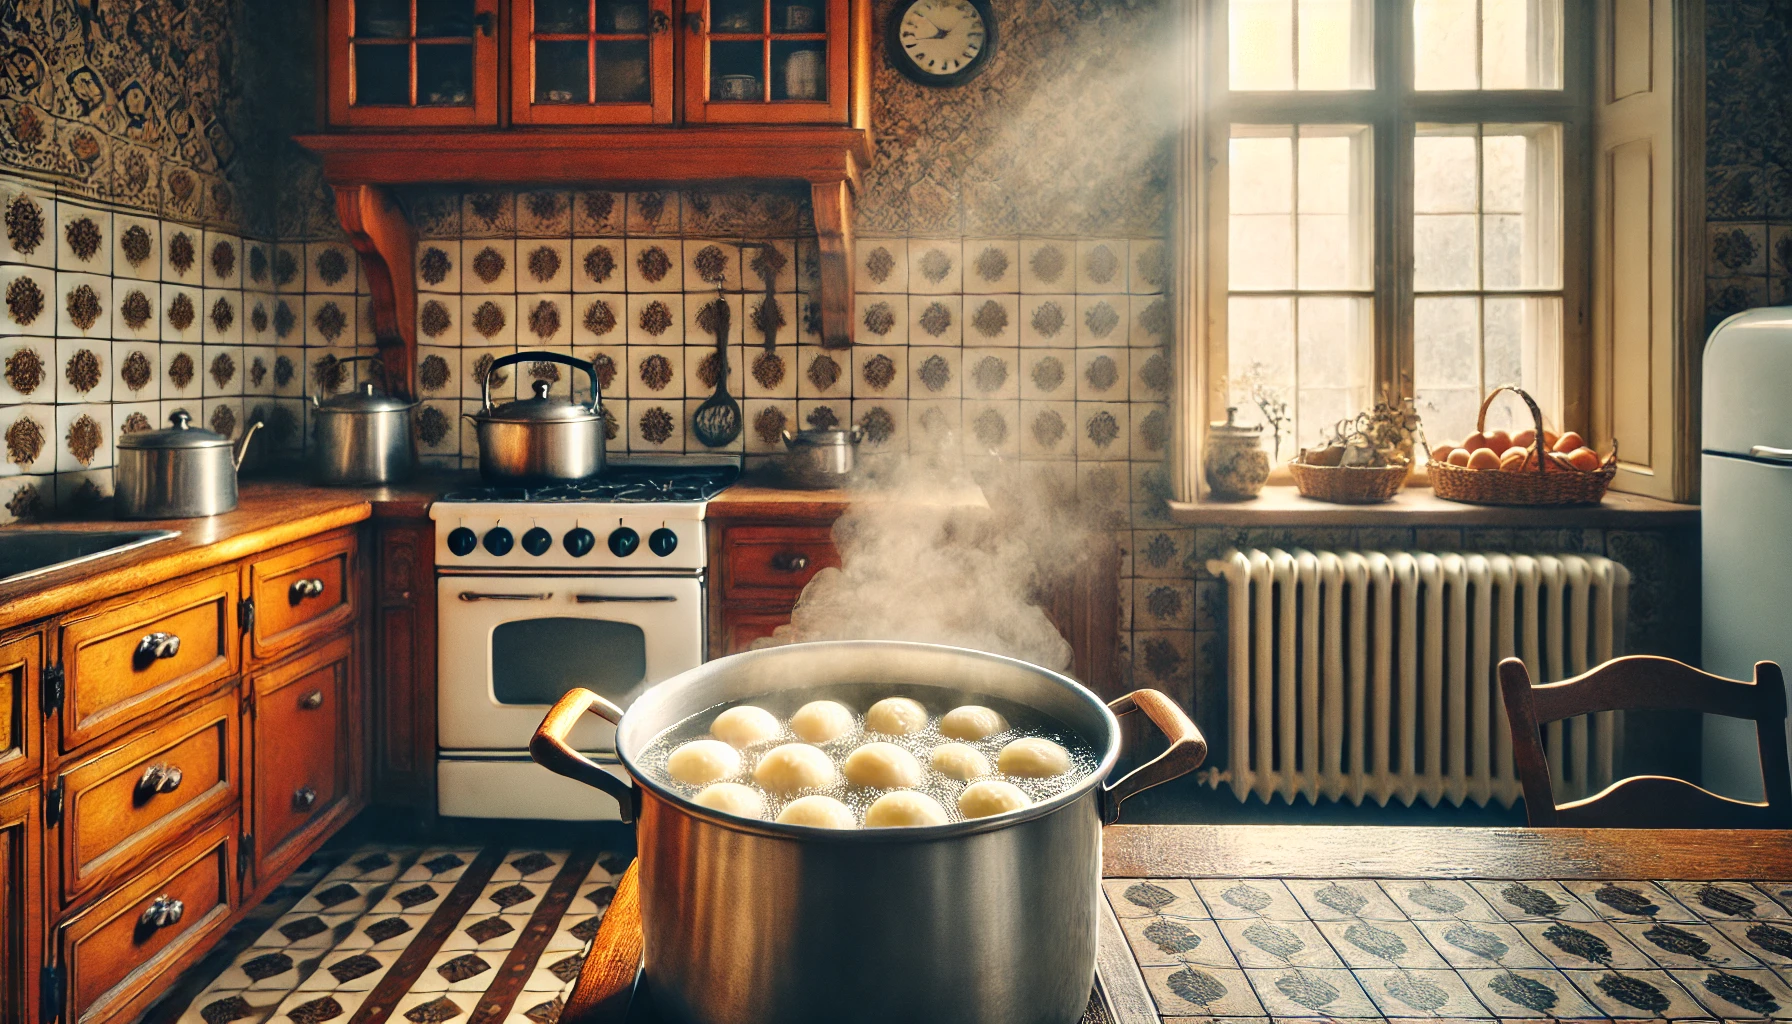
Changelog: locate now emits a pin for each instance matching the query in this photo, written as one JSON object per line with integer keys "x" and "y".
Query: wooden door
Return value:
{"x": 768, "y": 61}
{"x": 591, "y": 61}
{"x": 412, "y": 63}
{"x": 21, "y": 903}
{"x": 21, "y": 659}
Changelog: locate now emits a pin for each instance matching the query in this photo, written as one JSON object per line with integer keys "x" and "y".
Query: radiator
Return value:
{"x": 1367, "y": 674}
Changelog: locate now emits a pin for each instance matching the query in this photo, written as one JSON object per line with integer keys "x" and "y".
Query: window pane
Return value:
{"x": 452, "y": 18}
{"x": 1260, "y": 355}
{"x": 385, "y": 19}
{"x": 1521, "y": 44}
{"x": 1261, "y": 54}
{"x": 1444, "y": 45}
{"x": 1261, "y": 176}
{"x": 1334, "y": 207}
{"x": 1522, "y": 344}
{"x": 382, "y": 74}
{"x": 1464, "y": 346}
{"x": 1335, "y": 357}
{"x": 622, "y": 72}
{"x": 1444, "y": 207}
{"x": 561, "y": 72}
{"x": 1447, "y": 365}
{"x": 445, "y": 74}
{"x": 1334, "y": 45}
{"x": 1521, "y": 207}
{"x": 555, "y": 16}
{"x": 1509, "y": 44}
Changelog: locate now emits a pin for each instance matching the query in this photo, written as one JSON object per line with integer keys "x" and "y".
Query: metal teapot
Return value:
{"x": 820, "y": 459}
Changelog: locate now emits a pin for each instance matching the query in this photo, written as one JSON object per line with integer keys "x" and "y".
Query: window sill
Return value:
{"x": 1282, "y": 505}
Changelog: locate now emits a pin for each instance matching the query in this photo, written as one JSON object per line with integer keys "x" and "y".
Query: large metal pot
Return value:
{"x": 753, "y": 922}
{"x": 818, "y": 459}
{"x": 178, "y": 472}
{"x": 540, "y": 438}
{"x": 362, "y": 437}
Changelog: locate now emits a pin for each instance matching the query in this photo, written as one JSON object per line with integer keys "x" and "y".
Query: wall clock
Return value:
{"x": 941, "y": 42}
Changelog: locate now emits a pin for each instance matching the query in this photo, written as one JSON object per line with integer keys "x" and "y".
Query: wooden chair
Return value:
{"x": 1647, "y": 683}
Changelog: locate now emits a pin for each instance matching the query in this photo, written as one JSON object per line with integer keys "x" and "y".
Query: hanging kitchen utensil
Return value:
{"x": 717, "y": 421}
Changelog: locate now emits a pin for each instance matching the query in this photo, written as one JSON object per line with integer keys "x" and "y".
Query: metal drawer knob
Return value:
{"x": 156, "y": 646}
{"x": 163, "y": 912}
{"x": 790, "y": 561}
{"x": 304, "y": 798}
{"x": 312, "y": 701}
{"x": 303, "y": 589}
{"x": 159, "y": 778}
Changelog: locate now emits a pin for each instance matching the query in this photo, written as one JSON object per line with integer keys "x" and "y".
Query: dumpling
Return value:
{"x": 896, "y": 716}
{"x": 904, "y": 808}
{"x": 734, "y": 798}
{"x": 793, "y": 767}
{"x": 817, "y": 812}
{"x": 991, "y": 796}
{"x": 882, "y": 766}
{"x": 700, "y": 762}
{"x": 1033, "y": 758}
{"x": 821, "y": 721}
{"x": 972, "y": 722}
{"x": 744, "y": 726}
{"x": 959, "y": 761}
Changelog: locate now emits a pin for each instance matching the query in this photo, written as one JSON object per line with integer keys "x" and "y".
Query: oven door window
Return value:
{"x": 535, "y": 661}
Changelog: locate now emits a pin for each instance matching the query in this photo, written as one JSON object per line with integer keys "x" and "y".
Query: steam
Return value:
{"x": 934, "y": 552}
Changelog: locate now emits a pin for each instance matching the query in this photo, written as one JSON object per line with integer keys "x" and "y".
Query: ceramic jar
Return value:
{"x": 1234, "y": 461}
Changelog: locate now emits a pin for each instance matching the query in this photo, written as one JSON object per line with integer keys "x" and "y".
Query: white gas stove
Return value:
{"x": 596, "y": 584}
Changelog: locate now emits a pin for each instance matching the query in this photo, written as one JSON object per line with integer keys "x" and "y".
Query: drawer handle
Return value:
{"x": 790, "y": 561}
{"x": 303, "y": 589}
{"x": 159, "y": 778}
{"x": 312, "y": 701}
{"x": 304, "y": 798}
{"x": 157, "y": 646}
{"x": 163, "y": 912}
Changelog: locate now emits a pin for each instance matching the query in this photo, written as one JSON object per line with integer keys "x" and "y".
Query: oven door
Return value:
{"x": 509, "y": 647}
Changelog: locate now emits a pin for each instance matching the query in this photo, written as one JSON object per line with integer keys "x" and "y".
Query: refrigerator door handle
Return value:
{"x": 1762, "y": 451}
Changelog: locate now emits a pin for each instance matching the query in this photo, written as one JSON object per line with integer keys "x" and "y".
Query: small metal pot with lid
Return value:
{"x": 364, "y": 436}
{"x": 819, "y": 459}
{"x": 178, "y": 472}
{"x": 540, "y": 438}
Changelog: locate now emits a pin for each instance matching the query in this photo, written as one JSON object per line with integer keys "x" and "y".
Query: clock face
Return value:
{"x": 942, "y": 37}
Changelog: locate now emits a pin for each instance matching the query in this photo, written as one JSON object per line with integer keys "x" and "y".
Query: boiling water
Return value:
{"x": 1022, "y": 721}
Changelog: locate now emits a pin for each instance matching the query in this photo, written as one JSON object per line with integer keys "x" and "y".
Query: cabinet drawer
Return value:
{"x": 760, "y": 561}
{"x": 302, "y": 745}
{"x": 117, "y": 949}
{"x": 136, "y": 657}
{"x": 742, "y": 626}
{"x": 302, "y": 593}
{"x": 20, "y": 661}
{"x": 122, "y": 806}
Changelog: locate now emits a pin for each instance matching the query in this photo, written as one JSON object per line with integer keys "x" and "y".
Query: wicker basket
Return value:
{"x": 1350, "y": 485}
{"x": 1548, "y": 484}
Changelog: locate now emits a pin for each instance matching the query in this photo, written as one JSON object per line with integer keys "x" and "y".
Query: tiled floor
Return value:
{"x": 426, "y": 935}
{"x": 1257, "y": 948}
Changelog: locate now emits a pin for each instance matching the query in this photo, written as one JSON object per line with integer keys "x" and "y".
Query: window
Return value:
{"x": 1396, "y": 205}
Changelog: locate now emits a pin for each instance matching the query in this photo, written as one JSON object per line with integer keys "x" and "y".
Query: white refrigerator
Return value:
{"x": 1746, "y": 524}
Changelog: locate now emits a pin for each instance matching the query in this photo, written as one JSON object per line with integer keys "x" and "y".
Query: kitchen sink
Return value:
{"x": 32, "y": 552}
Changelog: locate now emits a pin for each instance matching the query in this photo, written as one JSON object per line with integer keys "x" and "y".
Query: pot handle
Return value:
{"x": 485, "y": 388}
{"x": 1188, "y": 748}
{"x": 242, "y": 448}
{"x": 550, "y": 750}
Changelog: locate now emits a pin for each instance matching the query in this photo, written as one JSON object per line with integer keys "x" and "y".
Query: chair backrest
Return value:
{"x": 1648, "y": 683}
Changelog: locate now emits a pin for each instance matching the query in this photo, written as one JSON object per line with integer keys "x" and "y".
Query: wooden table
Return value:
{"x": 1253, "y": 923}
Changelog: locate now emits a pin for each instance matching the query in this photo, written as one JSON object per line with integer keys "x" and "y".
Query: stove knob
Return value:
{"x": 662, "y": 542}
{"x": 498, "y": 540}
{"x": 537, "y": 541}
{"x": 579, "y": 542}
{"x": 624, "y": 541}
{"x": 462, "y": 541}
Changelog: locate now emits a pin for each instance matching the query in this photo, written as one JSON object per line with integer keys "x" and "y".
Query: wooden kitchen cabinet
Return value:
{"x": 404, "y": 665}
{"x": 304, "y": 760}
{"x": 591, "y": 62}
{"x": 302, "y": 593}
{"x": 767, "y": 61}
{"x": 412, "y": 63}
{"x": 21, "y": 902}
{"x": 21, "y": 658}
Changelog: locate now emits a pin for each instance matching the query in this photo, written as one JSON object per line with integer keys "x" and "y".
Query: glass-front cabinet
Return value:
{"x": 766, "y": 61}
{"x": 402, "y": 63}
{"x": 591, "y": 61}
{"x": 435, "y": 63}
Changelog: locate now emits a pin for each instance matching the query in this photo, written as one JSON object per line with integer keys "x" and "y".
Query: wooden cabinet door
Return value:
{"x": 305, "y": 759}
{"x": 403, "y": 691}
{"x": 21, "y": 660}
{"x": 591, "y": 61}
{"x": 769, "y": 61}
{"x": 413, "y": 63}
{"x": 21, "y": 903}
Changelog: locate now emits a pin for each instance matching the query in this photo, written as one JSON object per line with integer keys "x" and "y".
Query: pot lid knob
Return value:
{"x": 542, "y": 388}
{"x": 181, "y": 420}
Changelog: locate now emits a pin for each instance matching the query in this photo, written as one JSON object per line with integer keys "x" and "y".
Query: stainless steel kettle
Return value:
{"x": 179, "y": 472}
{"x": 362, "y": 437}
{"x": 820, "y": 459}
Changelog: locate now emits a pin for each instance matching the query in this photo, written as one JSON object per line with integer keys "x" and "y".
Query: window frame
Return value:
{"x": 1392, "y": 110}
